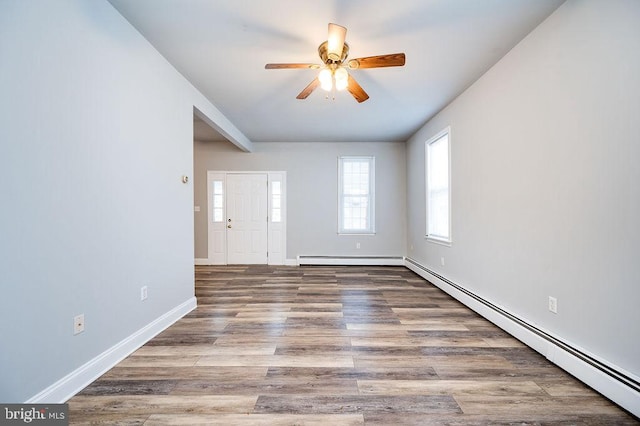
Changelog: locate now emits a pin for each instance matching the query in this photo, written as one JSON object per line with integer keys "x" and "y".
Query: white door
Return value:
{"x": 246, "y": 219}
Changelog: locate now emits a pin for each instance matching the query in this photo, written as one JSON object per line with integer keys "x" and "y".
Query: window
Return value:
{"x": 218, "y": 201}
{"x": 276, "y": 202}
{"x": 438, "y": 187}
{"x": 356, "y": 179}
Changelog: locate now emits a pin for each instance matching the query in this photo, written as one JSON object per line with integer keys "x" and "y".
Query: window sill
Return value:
{"x": 440, "y": 241}
{"x": 355, "y": 233}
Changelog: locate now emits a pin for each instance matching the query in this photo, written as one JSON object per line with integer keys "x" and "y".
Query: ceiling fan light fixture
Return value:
{"x": 334, "y": 70}
{"x": 335, "y": 41}
{"x": 325, "y": 76}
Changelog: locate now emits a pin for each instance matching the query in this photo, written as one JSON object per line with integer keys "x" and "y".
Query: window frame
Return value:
{"x": 439, "y": 239}
{"x": 371, "y": 230}
{"x": 275, "y": 201}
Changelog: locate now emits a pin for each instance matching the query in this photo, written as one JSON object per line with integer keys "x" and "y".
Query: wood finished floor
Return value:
{"x": 335, "y": 346}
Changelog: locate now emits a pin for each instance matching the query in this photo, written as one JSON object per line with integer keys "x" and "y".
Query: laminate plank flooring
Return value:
{"x": 335, "y": 346}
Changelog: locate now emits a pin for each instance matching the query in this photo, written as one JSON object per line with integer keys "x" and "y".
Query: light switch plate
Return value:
{"x": 78, "y": 324}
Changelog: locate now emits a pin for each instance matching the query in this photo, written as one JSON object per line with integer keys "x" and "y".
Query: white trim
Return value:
{"x": 613, "y": 389}
{"x": 291, "y": 262}
{"x": 439, "y": 241}
{"x": 200, "y": 261}
{"x": 65, "y": 388}
{"x": 352, "y": 260}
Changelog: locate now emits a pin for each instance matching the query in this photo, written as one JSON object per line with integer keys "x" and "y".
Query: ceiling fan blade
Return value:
{"x": 335, "y": 41}
{"x": 380, "y": 61}
{"x": 287, "y": 66}
{"x": 356, "y": 90}
{"x": 310, "y": 88}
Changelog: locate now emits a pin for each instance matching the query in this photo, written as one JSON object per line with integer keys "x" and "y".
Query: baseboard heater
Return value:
{"x": 351, "y": 260}
{"x": 618, "y": 376}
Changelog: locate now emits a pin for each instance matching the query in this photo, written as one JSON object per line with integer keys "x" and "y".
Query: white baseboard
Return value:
{"x": 62, "y": 390}
{"x": 606, "y": 384}
{"x": 352, "y": 260}
{"x": 334, "y": 260}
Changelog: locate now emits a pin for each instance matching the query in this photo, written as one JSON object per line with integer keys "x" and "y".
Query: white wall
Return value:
{"x": 312, "y": 185}
{"x": 96, "y": 130}
{"x": 546, "y": 183}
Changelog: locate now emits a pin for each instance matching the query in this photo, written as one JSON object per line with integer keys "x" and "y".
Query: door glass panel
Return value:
{"x": 276, "y": 198}
{"x": 218, "y": 201}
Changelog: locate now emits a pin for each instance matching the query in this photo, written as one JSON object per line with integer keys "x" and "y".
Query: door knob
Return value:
{"x": 228, "y": 226}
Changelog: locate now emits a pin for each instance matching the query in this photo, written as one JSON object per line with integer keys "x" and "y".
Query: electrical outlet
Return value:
{"x": 442, "y": 261}
{"x": 357, "y": 245}
{"x": 78, "y": 324}
{"x": 143, "y": 292}
{"x": 553, "y": 304}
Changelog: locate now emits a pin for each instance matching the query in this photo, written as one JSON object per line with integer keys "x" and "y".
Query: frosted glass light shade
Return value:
{"x": 325, "y": 78}
{"x": 342, "y": 78}
{"x": 335, "y": 42}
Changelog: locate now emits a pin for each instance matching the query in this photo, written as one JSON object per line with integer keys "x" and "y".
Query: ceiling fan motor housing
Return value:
{"x": 323, "y": 51}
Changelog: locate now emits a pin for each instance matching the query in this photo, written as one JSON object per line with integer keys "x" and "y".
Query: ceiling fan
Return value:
{"x": 333, "y": 72}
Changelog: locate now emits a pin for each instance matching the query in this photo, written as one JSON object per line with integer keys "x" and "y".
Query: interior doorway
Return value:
{"x": 246, "y": 217}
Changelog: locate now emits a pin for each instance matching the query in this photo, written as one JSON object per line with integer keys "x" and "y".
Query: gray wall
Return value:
{"x": 312, "y": 187}
{"x": 96, "y": 129}
{"x": 546, "y": 183}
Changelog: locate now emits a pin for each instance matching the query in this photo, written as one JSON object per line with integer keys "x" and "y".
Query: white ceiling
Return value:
{"x": 221, "y": 46}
